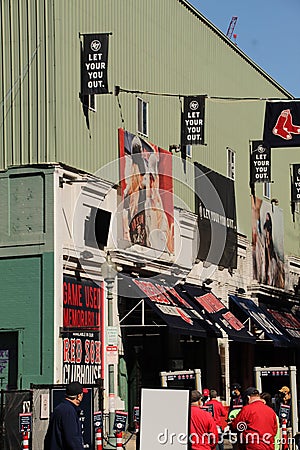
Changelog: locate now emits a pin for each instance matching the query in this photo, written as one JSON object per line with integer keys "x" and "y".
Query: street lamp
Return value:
{"x": 109, "y": 272}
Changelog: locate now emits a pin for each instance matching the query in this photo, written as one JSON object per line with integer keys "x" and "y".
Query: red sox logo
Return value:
{"x": 284, "y": 127}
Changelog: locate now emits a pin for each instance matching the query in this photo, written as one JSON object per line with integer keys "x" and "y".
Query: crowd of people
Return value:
{"x": 253, "y": 420}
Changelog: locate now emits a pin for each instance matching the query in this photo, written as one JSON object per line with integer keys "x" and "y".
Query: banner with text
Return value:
{"x": 82, "y": 303}
{"x": 260, "y": 163}
{"x": 215, "y": 205}
{"x": 192, "y": 121}
{"x": 282, "y": 124}
{"x": 296, "y": 183}
{"x": 94, "y": 59}
{"x": 81, "y": 356}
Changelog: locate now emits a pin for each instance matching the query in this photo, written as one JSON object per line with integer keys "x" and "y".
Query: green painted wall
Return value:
{"x": 27, "y": 269}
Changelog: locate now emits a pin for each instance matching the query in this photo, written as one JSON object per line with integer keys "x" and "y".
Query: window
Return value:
{"x": 142, "y": 116}
{"x": 230, "y": 163}
{"x": 189, "y": 151}
{"x": 267, "y": 190}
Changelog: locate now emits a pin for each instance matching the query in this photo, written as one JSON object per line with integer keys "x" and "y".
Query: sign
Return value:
{"x": 25, "y": 422}
{"x": 147, "y": 193}
{"x": 215, "y": 205}
{"x": 192, "y": 121}
{"x": 120, "y": 420}
{"x": 112, "y": 354}
{"x": 282, "y": 124}
{"x": 296, "y": 183}
{"x": 98, "y": 421}
{"x": 208, "y": 408}
{"x": 81, "y": 303}
{"x": 136, "y": 414}
{"x": 4, "y": 368}
{"x": 284, "y": 412}
{"x": 260, "y": 163}
{"x": 81, "y": 357}
{"x": 94, "y": 64}
{"x": 112, "y": 335}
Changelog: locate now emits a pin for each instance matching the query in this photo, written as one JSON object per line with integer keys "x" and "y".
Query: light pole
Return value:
{"x": 108, "y": 272}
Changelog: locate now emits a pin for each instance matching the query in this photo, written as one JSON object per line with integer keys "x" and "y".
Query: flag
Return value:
{"x": 260, "y": 163}
{"x": 282, "y": 124}
{"x": 94, "y": 57}
{"x": 296, "y": 183}
{"x": 192, "y": 121}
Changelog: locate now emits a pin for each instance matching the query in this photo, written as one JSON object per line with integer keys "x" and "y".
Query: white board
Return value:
{"x": 164, "y": 419}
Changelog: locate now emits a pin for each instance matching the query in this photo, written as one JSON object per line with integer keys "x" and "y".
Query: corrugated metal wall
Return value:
{"x": 156, "y": 46}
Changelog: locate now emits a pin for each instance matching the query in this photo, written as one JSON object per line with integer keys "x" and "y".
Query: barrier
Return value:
{"x": 119, "y": 440}
{"x": 284, "y": 435}
{"x": 25, "y": 440}
{"x": 99, "y": 445}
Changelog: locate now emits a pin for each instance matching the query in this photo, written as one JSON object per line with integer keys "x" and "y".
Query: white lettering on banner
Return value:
{"x": 215, "y": 217}
{"x": 175, "y": 311}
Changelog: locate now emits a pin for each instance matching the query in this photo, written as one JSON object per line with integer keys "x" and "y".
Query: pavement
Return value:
{"x": 131, "y": 444}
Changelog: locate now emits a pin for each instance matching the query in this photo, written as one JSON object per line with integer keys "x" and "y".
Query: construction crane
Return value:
{"x": 231, "y": 27}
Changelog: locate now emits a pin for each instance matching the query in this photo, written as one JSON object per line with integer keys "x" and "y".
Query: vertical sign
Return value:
{"x": 192, "y": 121}
{"x": 94, "y": 64}
{"x": 260, "y": 163}
{"x": 296, "y": 183}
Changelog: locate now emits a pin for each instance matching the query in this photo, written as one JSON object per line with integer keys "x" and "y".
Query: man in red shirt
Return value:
{"x": 203, "y": 430}
{"x": 218, "y": 411}
{"x": 256, "y": 423}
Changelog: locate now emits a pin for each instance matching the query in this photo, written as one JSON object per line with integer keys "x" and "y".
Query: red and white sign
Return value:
{"x": 112, "y": 354}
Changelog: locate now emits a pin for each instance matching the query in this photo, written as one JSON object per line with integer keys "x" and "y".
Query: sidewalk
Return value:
{"x": 131, "y": 444}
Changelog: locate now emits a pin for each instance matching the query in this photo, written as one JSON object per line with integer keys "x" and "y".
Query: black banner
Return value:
{"x": 296, "y": 183}
{"x": 260, "y": 163}
{"x": 94, "y": 64}
{"x": 192, "y": 121}
{"x": 282, "y": 124}
{"x": 215, "y": 204}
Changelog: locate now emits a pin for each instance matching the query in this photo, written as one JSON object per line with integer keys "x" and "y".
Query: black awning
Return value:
{"x": 262, "y": 320}
{"x": 286, "y": 321}
{"x": 165, "y": 301}
{"x": 217, "y": 311}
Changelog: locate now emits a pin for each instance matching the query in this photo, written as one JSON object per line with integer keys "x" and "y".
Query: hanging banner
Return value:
{"x": 192, "y": 121}
{"x": 81, "y": 357}
{"x": 296, "y": 183}
{"x": 147, "y": 193}
{"x": 267, "y": 243}
{"x": 94, "y": 58}
{"x": 215, "y": 204}
{"x": 260, "y": 163}
{"x": 282, "y": 124}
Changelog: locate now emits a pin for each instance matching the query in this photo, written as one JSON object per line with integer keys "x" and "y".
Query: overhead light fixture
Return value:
{"x": 174, "y": 147}
{"x": 275, "y": 201}
{"x": 208, "y": 281}
{"x": 86, "y": 254}
{"x": 240, "y": 291}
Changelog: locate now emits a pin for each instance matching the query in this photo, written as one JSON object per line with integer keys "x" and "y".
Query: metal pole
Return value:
{"x": 294, "y": 411}
{"x": 111, "y": 369}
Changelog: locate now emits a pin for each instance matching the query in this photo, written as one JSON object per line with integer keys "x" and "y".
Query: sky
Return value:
{"x": 268, "y": 31}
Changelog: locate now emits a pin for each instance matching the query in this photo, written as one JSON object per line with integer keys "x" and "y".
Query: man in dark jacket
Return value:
{"x": 64, "y": 430}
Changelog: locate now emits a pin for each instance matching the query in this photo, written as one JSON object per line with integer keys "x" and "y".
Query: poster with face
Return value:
{"x": 267, "y": 243}
{"x": 147, "y": 193}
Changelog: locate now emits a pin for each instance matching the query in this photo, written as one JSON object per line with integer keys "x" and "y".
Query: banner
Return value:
{"x": 282, "y": 124}
{"x": 267, "y": 243}
{"x": 147, "y": 193}
{"x": 82, "y": 301}
{"x": 260, "y": 163}
{"x": 215, "y": 204}
{"x": 81, "y": 357}
{"x": 94, "y": 58}
{"x": 296, "y": 183}
{"x": 192, "y": 121}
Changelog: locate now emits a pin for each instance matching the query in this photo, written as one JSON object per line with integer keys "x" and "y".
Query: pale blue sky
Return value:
{"x": 268, "y": 31}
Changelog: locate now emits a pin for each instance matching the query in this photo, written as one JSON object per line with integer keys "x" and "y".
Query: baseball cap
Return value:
{"x": 251, "y": 391}
{"x": 75, "y": 388}
{"x": 236, "y": 386}
{"x": 205, "y": 392}
{"x": 285, "y": 390}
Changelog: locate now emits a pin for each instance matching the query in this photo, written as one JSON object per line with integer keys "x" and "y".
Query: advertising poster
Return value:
{"x": 267, "y": 243}
{"x": 282, "y": 124}
{"x": 81, "y": 357}
{"x": 147, "y": 193}
{"x": 94, "y": 64}
{"x": 192, "y": 121}
{"x": 260, "y": 163}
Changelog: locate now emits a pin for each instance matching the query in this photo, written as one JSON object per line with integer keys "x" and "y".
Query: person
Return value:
{"x": 218, "y": 412}
{"x": 203, "y": 430}
{"x": 64, "y": 430}
{"x": 268, "y": 400}
{"x": 256, "y": 423}
{"x": 205, "y": 396}
{"x": 236, "y": 400}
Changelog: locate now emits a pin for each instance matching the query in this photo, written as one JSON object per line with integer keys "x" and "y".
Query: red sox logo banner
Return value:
{"x": 282, "y": 124}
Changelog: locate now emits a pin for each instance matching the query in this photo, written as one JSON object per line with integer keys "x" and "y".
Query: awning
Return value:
{"x": 217, "y": 311}
{"x": 262, "y": 320}
{"x": 286, "y": 321}
{"x": 165, "y": 301}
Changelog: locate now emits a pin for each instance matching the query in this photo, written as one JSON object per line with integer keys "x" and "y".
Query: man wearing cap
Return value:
{"x": 64, "y": 430}
{"x": 218, "y": 411}
{"x": 203, "y": 430}
{"x": 256, "y": 423}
